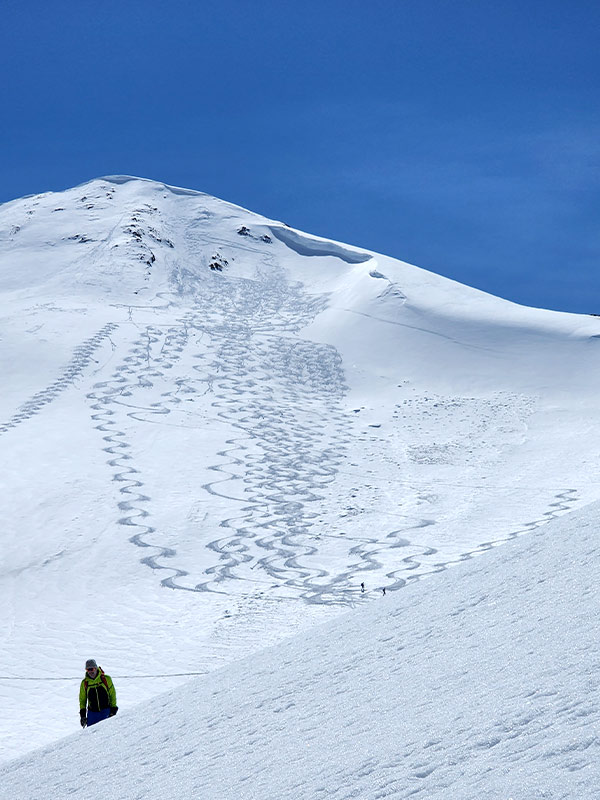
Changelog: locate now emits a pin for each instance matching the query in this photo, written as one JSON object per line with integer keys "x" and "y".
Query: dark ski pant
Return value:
{"x": 97, "y": 716}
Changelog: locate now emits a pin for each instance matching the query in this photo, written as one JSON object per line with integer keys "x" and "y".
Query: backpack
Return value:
{"x": 102, "y": 678}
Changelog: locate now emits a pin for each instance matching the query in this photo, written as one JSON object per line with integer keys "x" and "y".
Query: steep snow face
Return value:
{"x": 217, "y": 427}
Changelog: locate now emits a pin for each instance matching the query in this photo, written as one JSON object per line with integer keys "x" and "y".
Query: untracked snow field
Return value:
{"x": 215, "y": 428}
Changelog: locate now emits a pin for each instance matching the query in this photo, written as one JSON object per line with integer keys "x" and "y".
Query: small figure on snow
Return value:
{"x": 383, "y": 590}
{"x": 97, "y": 695}
{"x": 362, "y": 586}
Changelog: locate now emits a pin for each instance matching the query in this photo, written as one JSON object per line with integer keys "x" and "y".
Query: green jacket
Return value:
{"x": 97, "y": 693}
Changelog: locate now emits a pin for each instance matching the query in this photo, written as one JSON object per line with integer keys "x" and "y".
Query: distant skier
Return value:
{"x": 362, "y": 586}
{"x": 383, "y": 590}
{"x": 97, "y": 695}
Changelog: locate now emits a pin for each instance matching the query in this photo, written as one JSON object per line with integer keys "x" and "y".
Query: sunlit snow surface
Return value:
{"x": 213, "y": 428}
{"x": 478, "y": 684}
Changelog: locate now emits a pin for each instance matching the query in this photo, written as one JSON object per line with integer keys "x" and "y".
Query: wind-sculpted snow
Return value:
{"x": 307, "y": 246}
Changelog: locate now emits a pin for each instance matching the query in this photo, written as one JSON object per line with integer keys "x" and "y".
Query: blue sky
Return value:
{"x": 462, "y": 136}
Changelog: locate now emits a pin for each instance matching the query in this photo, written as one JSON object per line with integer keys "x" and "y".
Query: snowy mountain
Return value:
{"x": 214, "y": 428}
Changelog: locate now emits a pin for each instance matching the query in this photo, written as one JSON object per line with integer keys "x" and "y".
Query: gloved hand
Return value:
{"x": 82, "y": 717}
{"x": 113, "y": 711}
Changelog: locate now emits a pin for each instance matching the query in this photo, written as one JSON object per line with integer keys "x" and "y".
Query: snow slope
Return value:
{"x": 215, "y": 427}
{"x": 478, "y": 684}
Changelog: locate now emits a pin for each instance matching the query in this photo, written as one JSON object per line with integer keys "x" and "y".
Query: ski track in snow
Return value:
{"x": 274, "y": 390}
{"x": 220, "y": 358}
{"x": 415, "y": 697}
{"x": 563, "y": 501}
{"x": 83, "y": 354}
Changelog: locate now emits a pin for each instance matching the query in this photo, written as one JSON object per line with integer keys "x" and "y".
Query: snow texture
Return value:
{"x": 215, "y": 429}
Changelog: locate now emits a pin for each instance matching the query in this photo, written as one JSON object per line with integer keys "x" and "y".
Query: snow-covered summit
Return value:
{"x": 217, "y": 427}
{"x": 121, "y": 239}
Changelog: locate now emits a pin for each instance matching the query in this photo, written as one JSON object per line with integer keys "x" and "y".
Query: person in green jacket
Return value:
{"x": 97, "y": 695}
